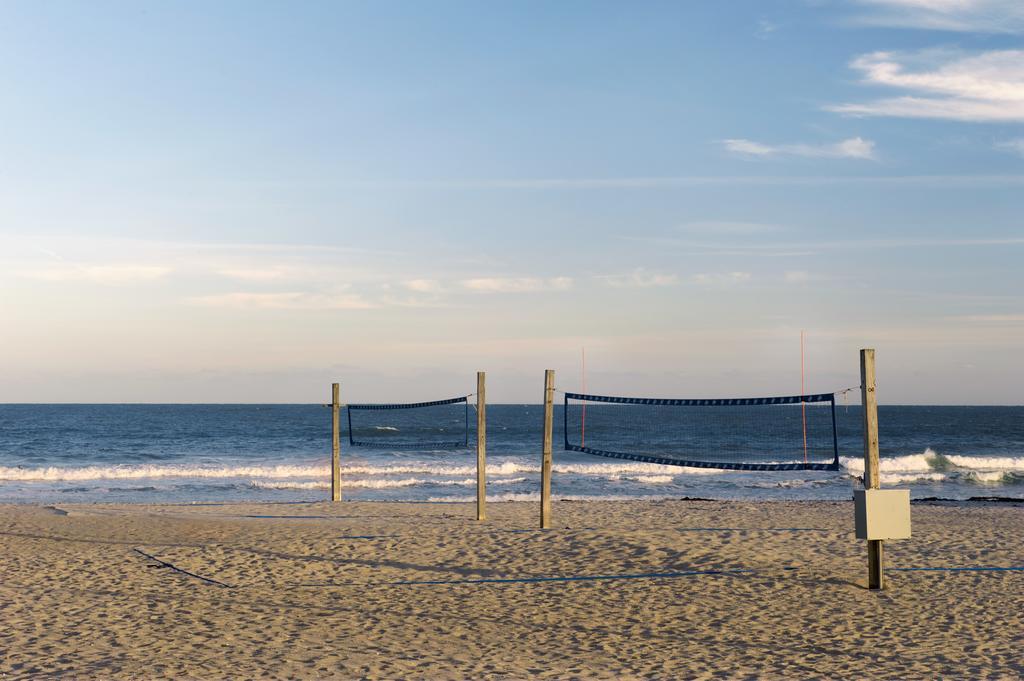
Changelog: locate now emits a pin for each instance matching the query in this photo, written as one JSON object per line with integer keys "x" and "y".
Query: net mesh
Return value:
{"x": 443, "y": 424}
{"x": 763, "y": 433}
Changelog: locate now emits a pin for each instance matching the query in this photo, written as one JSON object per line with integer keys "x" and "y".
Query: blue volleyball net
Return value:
{"x": 443, "y": 424}
{"x": 752, "y": 434}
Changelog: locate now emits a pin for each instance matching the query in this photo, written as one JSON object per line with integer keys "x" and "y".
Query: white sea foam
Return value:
{"x": 377, "y": 483}
{"x": 390, "y": 428}
{"x": 648, "y": 479}
{"x": 653, "y": 479}
{"x": 514, "y": 467}
{"x": 414, "y": 468}
{"x": 57, "y": 474}
{"x": 369, "y": 484}
{"x": 927, "y": 466}
{"x": 986, "y": 477}
{"x": 535, "y": 496}
{"x": 499, "y": 481}
{"x": 606, "y": 469}
{"x": 497, "y": 470}
{"x": 897, "y": 478}
{"x": 262, "y": 484}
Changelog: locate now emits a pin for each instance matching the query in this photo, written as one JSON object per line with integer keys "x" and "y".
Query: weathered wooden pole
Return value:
{"x": 869, "y": 400}
{"x": 481, "y": 445}
{"x": 545, "y": 463}
{"x": 335, "y": 443}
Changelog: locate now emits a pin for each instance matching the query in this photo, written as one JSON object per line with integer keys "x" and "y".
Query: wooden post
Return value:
{"x": 335, "y": 443}
{"x": 869, "y": 400}
{"x": 545, "y": 463}
{"x": 481, "y": 445}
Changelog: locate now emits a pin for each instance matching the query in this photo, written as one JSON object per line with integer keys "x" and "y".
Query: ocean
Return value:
{"x": 179, "y": 453}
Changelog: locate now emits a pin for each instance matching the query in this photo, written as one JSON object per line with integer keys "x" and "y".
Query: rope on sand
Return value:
{"x": 578, "y": 578}
{"x": 182, "y": 571}
{"x": 534, "y": 580}
{"x": 582, "y": 578}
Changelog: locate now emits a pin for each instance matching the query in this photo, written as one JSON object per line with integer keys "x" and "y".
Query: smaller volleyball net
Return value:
{"x": 755, "y": 434}
{"x": 442, "y": 424}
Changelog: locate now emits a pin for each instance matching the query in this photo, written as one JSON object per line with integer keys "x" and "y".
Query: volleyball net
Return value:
{"x": 754, "y": 434}
{"x": 442, "y": 424}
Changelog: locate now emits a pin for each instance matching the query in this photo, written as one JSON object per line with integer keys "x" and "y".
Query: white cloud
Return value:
{"x": 980, "y": 16}
{"x": 272, "y": 273}
{"x": 765, "y": 28}
{"x": 99, "y": 274}
{"x": 855, "y": 147}
{"x": 796, "y": 277}
{"x": 741, "y": 146}
{"x": 1016, "y": 146}
{"x": 292, "y": 300}
{"x": 721, "y": 278}
{"x": 946, "y": 85}
{"x": 423, "y": 285}
{"x": 516, "y": 284}
{"x": 640, "y": 278}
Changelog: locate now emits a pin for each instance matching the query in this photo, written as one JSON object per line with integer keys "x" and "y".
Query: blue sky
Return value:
{"x": 243, "y": 201}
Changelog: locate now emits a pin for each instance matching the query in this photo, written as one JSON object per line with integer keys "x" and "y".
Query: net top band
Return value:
{"x": 729, "y": 402}
{"x": 411, "y": 405}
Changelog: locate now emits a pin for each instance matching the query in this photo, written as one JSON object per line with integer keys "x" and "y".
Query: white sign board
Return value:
{"x": 882, "y": 513}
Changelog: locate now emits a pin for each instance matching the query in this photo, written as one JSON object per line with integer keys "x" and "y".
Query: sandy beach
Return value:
{"x": 667, "y": 589}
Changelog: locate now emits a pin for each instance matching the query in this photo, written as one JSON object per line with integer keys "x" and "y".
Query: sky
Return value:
{"x": 246, "y": 201}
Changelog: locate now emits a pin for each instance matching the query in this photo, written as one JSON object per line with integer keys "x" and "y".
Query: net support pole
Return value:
{"x": 335, "y": 442}
{"x": 481, "y": 445}
{"x": 545, "y": 462}
{"x": 869, "y": 399}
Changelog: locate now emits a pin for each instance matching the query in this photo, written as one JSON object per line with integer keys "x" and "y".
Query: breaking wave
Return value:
{"x": 931, "y": 466}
